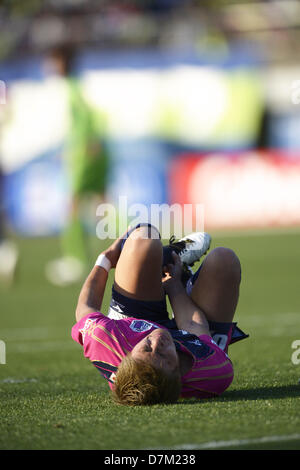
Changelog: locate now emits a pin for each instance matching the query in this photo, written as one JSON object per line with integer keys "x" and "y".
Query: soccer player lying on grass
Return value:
{"x": 146, "y": 357}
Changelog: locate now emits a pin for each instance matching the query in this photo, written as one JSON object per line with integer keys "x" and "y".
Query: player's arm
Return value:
{"x": 188, "y": 315}
{"x": 92, "y": 292}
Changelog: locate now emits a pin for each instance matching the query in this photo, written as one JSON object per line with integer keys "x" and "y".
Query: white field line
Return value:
{"x": 239, "y": 442}
{"x": 282, "y": 318}
{"x": 263, "y": 232}
{"x": 12, "y": 380}
{"x": 284, "y": 324}
{"x": 40, "y": 346}
{"x": 37, "y": 339}
{"x": 30, "y": 333}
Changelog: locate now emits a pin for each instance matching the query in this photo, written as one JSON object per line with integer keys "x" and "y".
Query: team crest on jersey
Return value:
{"x": 141, "y": 325}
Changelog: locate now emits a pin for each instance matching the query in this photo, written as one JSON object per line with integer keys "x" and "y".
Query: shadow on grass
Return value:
{"x": 259, "y": 393}
{"x": 264, "y": 393}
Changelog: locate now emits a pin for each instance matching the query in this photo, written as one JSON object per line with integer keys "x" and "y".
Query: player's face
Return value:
{"x": 158, "y": 348}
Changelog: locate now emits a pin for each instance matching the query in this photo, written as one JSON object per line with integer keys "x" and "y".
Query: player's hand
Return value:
{"x": 172, "y": 273}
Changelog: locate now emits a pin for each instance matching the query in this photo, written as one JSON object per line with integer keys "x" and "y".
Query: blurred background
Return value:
{"x": 173, "y": 101}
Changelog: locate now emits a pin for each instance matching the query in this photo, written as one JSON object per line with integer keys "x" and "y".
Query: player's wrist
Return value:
{"x": 172, "y": 286}
{"x": 104, "y": 262}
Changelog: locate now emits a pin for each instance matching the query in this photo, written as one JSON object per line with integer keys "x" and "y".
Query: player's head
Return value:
{"x": 150, "y": 373}
{"x": 158, "y": 349}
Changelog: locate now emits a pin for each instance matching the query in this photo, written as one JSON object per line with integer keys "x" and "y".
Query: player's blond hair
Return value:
{"x": 139, "y": 383}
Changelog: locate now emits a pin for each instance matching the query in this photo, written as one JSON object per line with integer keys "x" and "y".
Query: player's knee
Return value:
{"x": 226, "y": 263}
{"x": 145, "y": 232}
{"x": 145, "y": 239}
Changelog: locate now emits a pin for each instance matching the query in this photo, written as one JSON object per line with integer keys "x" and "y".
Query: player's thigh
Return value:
{"x": 139, "y": 269}
{"x": 216, "y": 289}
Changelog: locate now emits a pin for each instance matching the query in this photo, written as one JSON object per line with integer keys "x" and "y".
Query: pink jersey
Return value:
{"x": 106, "y": 341}
{"x": 212, "y": 371}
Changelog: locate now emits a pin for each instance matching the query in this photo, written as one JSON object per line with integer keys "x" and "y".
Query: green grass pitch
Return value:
{"x": 51, "y": 397}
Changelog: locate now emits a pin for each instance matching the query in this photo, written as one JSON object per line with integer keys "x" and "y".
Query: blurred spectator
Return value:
{"x": 86, "y": 164}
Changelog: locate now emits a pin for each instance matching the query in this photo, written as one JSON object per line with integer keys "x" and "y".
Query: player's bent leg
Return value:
{"x": 216, "y": 289}
{"x": 138, "y": 272}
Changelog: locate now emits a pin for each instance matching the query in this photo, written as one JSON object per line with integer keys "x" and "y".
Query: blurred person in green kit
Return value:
{"x": 86, "y": 162}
